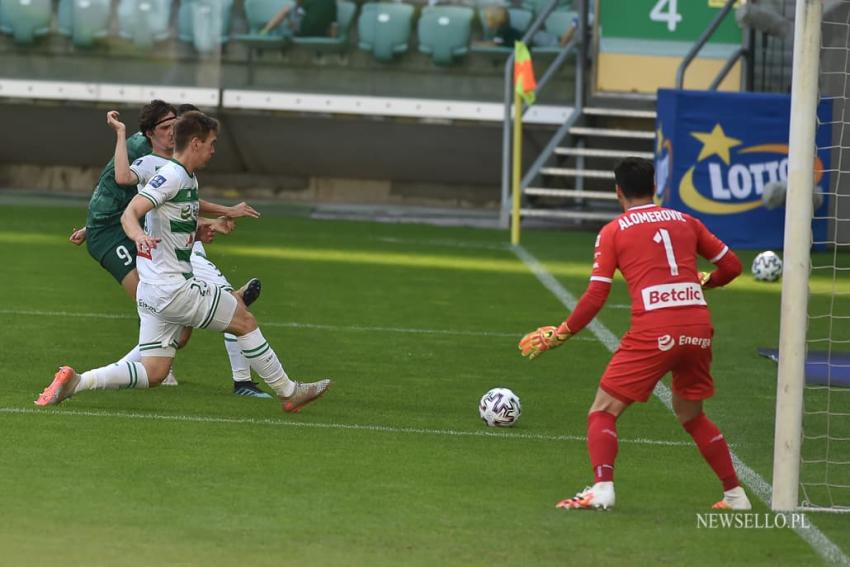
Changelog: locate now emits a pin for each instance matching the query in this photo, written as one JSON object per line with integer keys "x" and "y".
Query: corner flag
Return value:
{"x": 524, "y": 73}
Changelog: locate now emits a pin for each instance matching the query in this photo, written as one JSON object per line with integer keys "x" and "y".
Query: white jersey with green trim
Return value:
{"x": 145, "y": 168}
{"x": 173, "y": 220}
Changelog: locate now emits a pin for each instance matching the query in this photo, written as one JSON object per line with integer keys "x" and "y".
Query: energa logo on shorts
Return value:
{"x": 665, "y": 342}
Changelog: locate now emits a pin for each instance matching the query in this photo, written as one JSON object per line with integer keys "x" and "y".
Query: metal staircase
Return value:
{"x": 577, "y": 180}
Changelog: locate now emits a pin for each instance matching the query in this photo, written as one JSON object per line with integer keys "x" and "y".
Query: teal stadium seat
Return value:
{"x": 556, "y": 25}
{"x": 258, "y": 13}
{"x": 5, "y": 25}
{"x": 345, "y": 12}
{"x": 84, "y": 20}
{"x": 384, "y": 29}
{"x": 144, "y": 21}
{"x": 537, "y": 6}
{"x": 28, "y": 19}
{"x": 444, "y": 32}
{"x": 520, "y": 19}
{"x": 204, "y": 23}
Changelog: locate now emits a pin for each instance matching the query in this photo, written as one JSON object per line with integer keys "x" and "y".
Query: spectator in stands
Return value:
{"x": 309, "y": 18}
{"x": 498, "y": 20}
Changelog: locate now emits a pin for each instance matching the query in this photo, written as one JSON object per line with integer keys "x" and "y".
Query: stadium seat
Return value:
{"x": 144, "y": 21}
{"x": 204, "y": 23}
{"x": 520, "y": 20}
{"x": 28, "y": 19}
{"x": 258, "y": 13}
{"x": 5, "y": 26}
{"x": 345, "y": 11}
{"x": 556, "y": 25}
{"x": 537, "y": 6}
{"x": 384, "y": 29}
{"x": 87, "y": 21}
{"x": 444, "y": 32}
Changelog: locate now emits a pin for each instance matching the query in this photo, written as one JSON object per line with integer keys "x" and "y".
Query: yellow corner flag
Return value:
{"x": 524, "y": 81}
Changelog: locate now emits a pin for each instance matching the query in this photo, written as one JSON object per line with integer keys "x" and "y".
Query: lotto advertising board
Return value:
{"x": 716, "y": 153}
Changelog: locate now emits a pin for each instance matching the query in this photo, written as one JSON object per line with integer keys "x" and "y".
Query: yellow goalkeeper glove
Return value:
{"x": 704, "y": 278}
{"x": 540, "y": 340}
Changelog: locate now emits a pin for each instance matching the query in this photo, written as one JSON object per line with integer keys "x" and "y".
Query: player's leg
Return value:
{"x": 631, "y": 375}
{"x": 692, "y": 383}
{"x": 293, "y": 395}
{"x": 205, "y": 270}
{"x": 116, "y": 254}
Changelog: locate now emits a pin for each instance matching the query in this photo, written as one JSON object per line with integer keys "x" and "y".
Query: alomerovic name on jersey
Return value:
{"x": 672, "y": 295}
{"x": 640, "y": 217}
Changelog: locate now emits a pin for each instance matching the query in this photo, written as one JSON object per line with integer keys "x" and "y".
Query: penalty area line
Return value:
{"x": 821, "y": 544}
{"x": 500, "y": 434}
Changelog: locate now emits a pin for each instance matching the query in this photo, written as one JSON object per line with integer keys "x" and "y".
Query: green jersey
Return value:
{"x": 109, "y": 198}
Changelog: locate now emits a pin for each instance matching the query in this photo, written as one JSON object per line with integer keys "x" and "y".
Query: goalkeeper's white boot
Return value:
{"x": 734, "y": 499}
{"x": 600, "y": 496}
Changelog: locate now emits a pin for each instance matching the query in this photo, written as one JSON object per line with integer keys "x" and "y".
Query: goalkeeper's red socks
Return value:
{"x": 602, "y": 444}
{"x": 714, "y": 449}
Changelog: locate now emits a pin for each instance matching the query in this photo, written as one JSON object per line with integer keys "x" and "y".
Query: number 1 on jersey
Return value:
{"x": 662, "y": 235}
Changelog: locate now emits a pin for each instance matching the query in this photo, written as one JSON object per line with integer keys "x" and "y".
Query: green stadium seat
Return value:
{"x": 556, "y": 25}
{"x": 384, "y": 29}
{"x": 345, "y": 11}
{"x": 28, "y": 19}
{"x": 144, "y": 21}
{"x": 204, "y": 23}
{"x": 537, "y": 6}
{"x": 444, "y": 32}
{"x": 5, "y": 26}
{"x": 89, "y": 21}
{"x": 258, "y": 13}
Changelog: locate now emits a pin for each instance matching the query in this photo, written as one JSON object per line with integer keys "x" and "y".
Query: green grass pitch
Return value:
{"x": 393, "y": 466}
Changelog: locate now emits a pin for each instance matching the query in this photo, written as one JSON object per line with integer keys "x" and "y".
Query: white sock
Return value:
{"x": 238, "y": 362}
{"x": 114, "y": 377}
{"x": 264, "y": 362}
{"x": 134, "y": 355}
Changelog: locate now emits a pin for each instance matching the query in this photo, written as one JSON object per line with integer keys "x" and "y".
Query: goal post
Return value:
{"x": 798, "y": 241}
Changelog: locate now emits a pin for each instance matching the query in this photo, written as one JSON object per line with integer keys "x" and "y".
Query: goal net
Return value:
{"x": 812, "y": 452}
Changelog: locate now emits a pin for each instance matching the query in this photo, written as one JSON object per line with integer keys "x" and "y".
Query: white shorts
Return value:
{"x": 165, "y": 309}
{"x": 206, "y": 270}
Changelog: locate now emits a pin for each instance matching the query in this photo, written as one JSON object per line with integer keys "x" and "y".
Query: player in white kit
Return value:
{"x": 169, "y": 295}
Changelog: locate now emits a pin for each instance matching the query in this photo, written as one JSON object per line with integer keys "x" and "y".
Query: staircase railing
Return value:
{"x": 576, "y": 46}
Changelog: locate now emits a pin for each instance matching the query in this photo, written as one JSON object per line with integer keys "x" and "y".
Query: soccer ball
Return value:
{"x": 767, "y": 267}
{"x": 499, "y": 407}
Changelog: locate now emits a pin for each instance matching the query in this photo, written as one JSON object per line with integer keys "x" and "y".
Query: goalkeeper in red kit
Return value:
{"x": 656, "y": 250}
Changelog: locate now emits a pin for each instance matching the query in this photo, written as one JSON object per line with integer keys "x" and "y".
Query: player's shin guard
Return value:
{"x": 264, "y": 362}
{"x": 120, "y": 375}
{"x": 238, "y": 363}
{"x": 602, "y": 444}
{"x": 714, "y": 449}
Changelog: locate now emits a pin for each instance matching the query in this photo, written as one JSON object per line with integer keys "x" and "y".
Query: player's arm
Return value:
{"x": 123, "y": 174}
{"x": 542, "y": 339}
{"x": 208, "y": 228}
{"x": 138, "y": 208}
{"x": 727, "y": 265}
{"x": 241, "y": 210}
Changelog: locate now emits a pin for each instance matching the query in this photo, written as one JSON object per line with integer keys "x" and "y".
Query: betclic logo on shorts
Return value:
{"x": 672, "y": 295}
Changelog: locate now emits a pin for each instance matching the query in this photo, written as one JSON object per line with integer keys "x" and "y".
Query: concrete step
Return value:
{"x": 612, "y": 133}
{"x": 570, "y": 172}
{"x": 601, "y": 153}
{"x": 619, "y": 112}
{"x": 569, "y": 214}
{"x": 570, "y": 193}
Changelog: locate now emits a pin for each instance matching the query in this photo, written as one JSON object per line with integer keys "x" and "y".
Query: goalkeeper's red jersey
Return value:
{"x": 656, "y": 251}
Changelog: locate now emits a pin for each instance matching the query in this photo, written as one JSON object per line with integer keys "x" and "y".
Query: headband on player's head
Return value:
{"x": 164, "y": 120}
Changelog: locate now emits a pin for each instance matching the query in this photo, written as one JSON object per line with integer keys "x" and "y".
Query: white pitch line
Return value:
{"x": 288, "y": 324}
{"x": 822, "y": 545}
{"x": 319, "y": 425}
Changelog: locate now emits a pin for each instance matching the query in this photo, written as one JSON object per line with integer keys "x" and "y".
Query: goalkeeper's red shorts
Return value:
{"x": 645, "y": 356}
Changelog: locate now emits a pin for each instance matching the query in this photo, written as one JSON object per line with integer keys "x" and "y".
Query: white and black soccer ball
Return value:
{"x": 499, "y": 407}
{"x": 767, "y": 267}
{"x": 773, "y": 194}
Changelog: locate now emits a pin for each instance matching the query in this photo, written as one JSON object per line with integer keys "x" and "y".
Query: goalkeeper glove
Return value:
{"x": 704, "y": 278}
{"x": 540, "y": 340}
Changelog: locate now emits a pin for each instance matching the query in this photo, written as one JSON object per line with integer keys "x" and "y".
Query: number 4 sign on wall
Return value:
{"x": 671, "y": 17}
